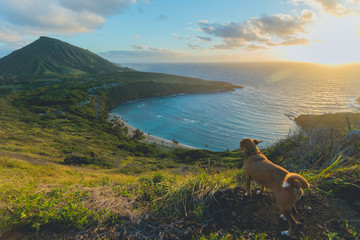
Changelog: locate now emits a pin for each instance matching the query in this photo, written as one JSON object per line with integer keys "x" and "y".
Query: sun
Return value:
{"x": 333, "y": 41}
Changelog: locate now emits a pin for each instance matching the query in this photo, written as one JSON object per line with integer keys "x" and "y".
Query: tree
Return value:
{"x": 138, "y": 134}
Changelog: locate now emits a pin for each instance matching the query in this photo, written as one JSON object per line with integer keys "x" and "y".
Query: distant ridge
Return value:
{"x": 49, "y": 56}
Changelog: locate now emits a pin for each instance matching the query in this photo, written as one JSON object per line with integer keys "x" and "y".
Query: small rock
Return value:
{"x": 307, "y": 208}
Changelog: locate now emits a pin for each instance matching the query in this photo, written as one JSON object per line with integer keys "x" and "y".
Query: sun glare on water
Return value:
{"x": 334, "y": 41}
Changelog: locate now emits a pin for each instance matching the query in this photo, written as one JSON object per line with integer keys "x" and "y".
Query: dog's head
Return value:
{"x": 248, "y": 143}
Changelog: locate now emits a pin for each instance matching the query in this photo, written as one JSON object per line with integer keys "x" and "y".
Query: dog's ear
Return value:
{"x": 257, "y": 142}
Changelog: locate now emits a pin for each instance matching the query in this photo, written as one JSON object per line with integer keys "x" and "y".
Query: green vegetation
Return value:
{"x": 57, "y": 208}
{"x": 67, "y": 168}
{"x": 63, "y": 168}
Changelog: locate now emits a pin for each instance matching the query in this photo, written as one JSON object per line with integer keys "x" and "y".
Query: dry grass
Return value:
{"x": 104, "y": 200}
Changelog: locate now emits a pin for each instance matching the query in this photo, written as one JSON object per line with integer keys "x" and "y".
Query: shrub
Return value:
{"x": 190, "y": 156}
{"x": 152, "y": 187}
{"x": 85, "y": 160}
{"x": 59, "y": 208}
{"x": 138, "y": 148}
{"x": 138, "y": 134}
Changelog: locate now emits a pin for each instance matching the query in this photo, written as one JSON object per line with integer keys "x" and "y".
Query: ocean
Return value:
{"x": 271, "y": 93}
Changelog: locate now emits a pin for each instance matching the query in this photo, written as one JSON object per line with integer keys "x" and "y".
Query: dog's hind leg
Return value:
{"x": 248, "y": 186}
{"x": 292, "y": 224}
{"x": 295, "y": 210}
{"x": 261, "y": 191}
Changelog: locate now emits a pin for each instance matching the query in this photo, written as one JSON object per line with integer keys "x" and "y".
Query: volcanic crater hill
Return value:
{"x": 49, "y": 56}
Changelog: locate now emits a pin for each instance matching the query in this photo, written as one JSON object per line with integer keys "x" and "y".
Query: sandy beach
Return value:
{"x": 149, "y": 138}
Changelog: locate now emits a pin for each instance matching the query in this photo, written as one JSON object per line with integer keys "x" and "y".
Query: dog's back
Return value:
{"x": 264, "y": 172}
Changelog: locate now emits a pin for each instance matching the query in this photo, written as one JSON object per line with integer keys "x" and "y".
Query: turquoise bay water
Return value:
{"x": 219, "y": 121}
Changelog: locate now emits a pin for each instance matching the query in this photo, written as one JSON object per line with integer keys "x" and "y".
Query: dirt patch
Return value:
{"x": 318, "y": 214}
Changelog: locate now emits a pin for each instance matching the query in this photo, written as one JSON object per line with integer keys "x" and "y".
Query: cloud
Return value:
{"x": 176, "y": 36}
{"x": 8, "y": 35}
{"x": 164, "y": 51}
{"x": 281, "y": 24}
{"x": 102, "y": 8}
{"x": 275, "y": 30}
{"x": 231, "y": 43}
{"x": 37, "y": 17}
{"x": 295, "y": 41}
{"x": 254, "y": 47}
{"x": 204, "y": 39}
{"x": 143, "y": 55}
{"x": 229, "y": 30}
{"x": 194, "y": 47}
{"x": 338, "y": 8}
{"x": 135, "y": 46}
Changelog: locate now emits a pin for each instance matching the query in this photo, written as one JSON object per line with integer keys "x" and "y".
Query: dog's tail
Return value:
{"x": 295, "y": 180}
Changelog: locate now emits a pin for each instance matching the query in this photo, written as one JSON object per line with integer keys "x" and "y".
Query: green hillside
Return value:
{"x": 48, "y": 56}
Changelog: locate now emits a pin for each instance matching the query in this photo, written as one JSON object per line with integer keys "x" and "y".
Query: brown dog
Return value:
{"x": 286, "y": 186}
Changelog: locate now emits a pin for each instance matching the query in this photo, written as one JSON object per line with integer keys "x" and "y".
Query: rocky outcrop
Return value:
{"x": 336, "y": 121}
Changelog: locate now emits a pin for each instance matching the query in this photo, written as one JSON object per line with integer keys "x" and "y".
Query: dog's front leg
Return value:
{"x": 248, "y": 186}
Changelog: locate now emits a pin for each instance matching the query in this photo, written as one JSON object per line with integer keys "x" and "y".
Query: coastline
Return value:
{"x": 150, "y": 139}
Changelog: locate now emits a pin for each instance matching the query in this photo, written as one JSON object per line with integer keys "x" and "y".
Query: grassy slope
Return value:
{"x": 53, "y": 198}
{"x": 114, "y": 186}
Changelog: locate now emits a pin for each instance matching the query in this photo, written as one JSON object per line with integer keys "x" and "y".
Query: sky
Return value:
{"x": 137, "y": 31}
